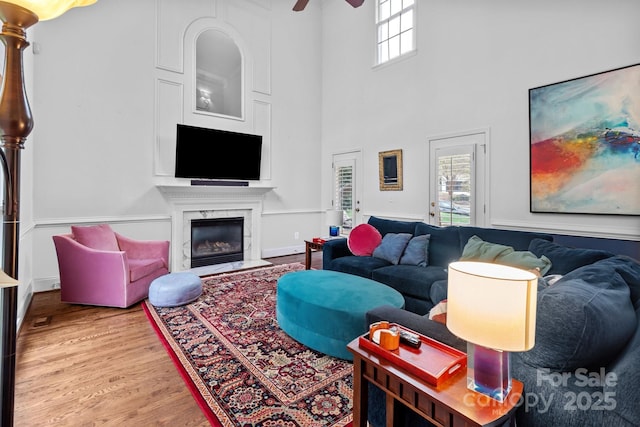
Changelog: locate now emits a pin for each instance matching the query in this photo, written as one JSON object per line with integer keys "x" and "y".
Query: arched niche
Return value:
{"x": 219, "y": 70}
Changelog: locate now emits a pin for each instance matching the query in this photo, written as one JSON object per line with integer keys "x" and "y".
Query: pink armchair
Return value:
{"x": 101, "y": 267}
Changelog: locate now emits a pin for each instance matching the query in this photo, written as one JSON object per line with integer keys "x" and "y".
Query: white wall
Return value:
{"x": 100, "y": 117}
{"x": 474, "y": 65}
{"x": 96, "y": 107}
{"x": 93, "y": 111}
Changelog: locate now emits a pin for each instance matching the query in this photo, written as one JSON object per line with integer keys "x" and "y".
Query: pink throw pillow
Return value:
{"x": 100, "y": 237}
{"x": 363, "y": 239}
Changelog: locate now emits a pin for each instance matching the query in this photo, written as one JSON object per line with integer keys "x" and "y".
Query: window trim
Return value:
{"x": 401, "y": 56}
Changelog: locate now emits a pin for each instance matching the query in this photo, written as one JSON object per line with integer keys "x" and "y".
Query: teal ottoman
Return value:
{"x": 174, "y": 289}
{"x": 325, "y": 310}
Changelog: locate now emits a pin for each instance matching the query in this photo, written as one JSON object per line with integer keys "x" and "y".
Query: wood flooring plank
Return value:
{"x": 100, "y": 366}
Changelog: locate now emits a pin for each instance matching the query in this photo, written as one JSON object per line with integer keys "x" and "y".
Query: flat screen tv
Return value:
{"x": 203, "y": 153}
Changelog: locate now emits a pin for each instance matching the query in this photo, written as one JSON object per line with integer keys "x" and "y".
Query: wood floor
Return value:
{"x": 95, "y": 366}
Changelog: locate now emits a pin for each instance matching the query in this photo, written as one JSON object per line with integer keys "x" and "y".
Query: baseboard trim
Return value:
{"x": 46, "y": 284}
{"x": 287, "y": 250}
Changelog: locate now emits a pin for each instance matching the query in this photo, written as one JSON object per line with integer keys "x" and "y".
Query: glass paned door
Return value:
{"x": 458, "y": 179}
{"x": 344, "y": 189}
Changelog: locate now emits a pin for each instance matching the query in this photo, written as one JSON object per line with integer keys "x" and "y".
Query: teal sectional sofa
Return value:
{"x": 583, "y": 369}
{"x": 416, "y": 283}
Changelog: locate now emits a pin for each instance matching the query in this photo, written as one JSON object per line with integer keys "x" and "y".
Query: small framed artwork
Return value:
{"x": 390, "y": 167}
{"x": 585, "y": 144}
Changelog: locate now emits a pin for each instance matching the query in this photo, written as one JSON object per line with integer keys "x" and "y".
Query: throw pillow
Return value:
{"x": 417, "y": 251}
{"x": 363, "y": 239}
{"x": 392, "y": 247}
{"x": 566, "y": 259}
{"x": 385, "y": 226}
{"x": 584, "y": 319}
{"x": 100, "y": 237}
{"x": 477, "y": 249}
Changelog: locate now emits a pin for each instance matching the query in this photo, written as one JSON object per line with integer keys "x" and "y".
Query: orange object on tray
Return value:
{"x": 433, "y": 362}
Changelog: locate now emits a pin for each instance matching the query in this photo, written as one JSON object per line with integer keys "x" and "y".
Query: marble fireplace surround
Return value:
{"x": 196, "y": 202}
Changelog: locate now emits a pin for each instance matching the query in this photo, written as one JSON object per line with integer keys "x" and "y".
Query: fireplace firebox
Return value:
{"x": 216, "y": 241}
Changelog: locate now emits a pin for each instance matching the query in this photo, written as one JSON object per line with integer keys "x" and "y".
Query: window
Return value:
{"x": 396, "y": 23}
{"x": 454, "y": 182}
{"x": 343, "y": 191}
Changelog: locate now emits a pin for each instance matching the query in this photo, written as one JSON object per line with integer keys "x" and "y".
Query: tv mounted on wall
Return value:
{"x": 214, "y": 154}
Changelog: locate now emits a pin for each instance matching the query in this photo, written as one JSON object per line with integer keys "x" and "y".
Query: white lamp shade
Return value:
{"x": 334, "y": 217}
{"x": 49, "y": 9}
{"x": 492, "y": 305}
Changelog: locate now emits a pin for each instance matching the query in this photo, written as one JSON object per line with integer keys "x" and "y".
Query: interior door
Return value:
{"x": 345, "y": 189}
{"x": 457, "y": 187}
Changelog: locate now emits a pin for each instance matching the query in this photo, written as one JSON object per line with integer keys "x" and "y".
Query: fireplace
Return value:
{"x": 194, "y": 202}
{"x": 216, "y": 241}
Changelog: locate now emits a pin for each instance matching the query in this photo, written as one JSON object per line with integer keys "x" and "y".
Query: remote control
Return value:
{"x": 412, "y": 340}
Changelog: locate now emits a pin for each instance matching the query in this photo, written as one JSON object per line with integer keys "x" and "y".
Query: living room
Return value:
{"x": 102, "y": 96}
{"x": 108, "y": 83}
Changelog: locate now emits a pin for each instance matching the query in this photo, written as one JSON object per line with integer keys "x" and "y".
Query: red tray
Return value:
{"x": 433, "y": 362}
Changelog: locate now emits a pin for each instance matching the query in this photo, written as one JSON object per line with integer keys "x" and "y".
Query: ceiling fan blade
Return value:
{"x": 355, "y": 3}
{"x": 300, "y": 5}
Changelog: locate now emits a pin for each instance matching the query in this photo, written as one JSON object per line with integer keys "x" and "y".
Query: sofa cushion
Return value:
{"x": 385, "y": 226}
{"x": 417, "y": 251}
{"x": 565, "y": 259}
{"x": 362, "y": 266}
{"x": 100, "y": 237}
{"x": 438, "y": 291}
{"x": 392, "y": 247}
{"x": 477, "y": 249}
{"x": 518, "y": 240}
{"x": 409, "y": 279}
{"x": 627, "y": 387}
{"x": 332, "y": 249}
{"x": 629, "y": 269}
{"x": 138, "y": 268}
{"x": 443, "y": 243}
{"x": 363, "y": 239}
{"x": 583, "y": 320}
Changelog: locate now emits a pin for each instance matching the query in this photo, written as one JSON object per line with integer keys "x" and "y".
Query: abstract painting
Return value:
{"x": 585, "y": 144}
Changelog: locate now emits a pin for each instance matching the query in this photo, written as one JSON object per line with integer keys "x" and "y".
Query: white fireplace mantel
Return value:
{"x": 186, "y": 191}
{"x": 212, "y": 201}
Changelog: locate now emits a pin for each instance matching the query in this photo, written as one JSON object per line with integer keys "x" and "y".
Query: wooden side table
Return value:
{"x": 452, "y": 404}
{"x": 310, "y": 247}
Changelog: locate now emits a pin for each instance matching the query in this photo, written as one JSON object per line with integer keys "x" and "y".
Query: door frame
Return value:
{"x": 482, "y": 169}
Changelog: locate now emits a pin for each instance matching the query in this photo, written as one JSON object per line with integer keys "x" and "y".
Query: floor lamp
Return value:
{"x": 16, "y": 124}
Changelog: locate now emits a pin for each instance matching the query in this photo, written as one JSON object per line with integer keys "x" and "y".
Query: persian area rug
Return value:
{"x": 241, "y": 367}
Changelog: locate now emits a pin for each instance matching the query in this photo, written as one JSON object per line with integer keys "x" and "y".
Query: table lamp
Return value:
{"x": 493, "y": 308}
{"x": 334, "y": 221}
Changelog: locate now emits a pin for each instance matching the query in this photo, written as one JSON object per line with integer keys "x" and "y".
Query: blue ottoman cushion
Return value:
{"x": 325, "y": 310}
{"x": 174, "y": 289}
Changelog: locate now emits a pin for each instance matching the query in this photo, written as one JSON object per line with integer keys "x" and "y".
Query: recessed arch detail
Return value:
{"x": 216, "y": 70}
